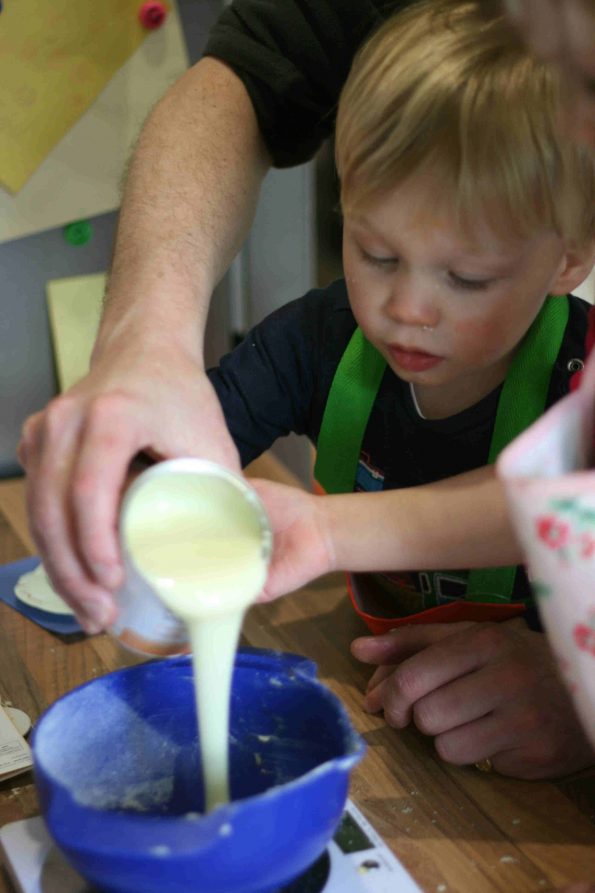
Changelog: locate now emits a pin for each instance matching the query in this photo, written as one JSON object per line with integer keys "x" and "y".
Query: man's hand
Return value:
{"x": 480, "y": 690}
{"x": 77, "y": 452}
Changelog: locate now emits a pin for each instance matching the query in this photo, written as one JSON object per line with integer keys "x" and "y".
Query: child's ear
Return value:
{"x": 574, "y": 268}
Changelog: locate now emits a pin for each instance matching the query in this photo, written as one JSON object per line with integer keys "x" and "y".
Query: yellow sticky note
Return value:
{"x": 75, "y": 309}
{"x": 80, "y": 177}
{"x": 55, "y": 58}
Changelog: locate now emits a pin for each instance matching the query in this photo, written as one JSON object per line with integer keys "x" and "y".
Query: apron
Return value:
{"x": 522, "y": 401}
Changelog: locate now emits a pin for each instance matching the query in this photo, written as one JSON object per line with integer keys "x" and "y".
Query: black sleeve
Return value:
{"x": 293, "y": 57}
{"x": 277, "y": 380}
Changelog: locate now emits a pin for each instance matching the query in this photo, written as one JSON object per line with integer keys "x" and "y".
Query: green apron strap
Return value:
{"x": 346, "y": 414}
{"x": 522, "y": 401}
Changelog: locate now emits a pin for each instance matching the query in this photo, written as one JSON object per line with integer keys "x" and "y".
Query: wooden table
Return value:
{"x": 455, "y": 829}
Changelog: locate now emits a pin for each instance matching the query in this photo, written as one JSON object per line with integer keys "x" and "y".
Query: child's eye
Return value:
{"x": 471, "y": 284}
{"x": 375, "y": 261}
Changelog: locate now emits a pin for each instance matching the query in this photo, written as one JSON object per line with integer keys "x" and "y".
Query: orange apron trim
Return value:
{"x": 451, "y": 612}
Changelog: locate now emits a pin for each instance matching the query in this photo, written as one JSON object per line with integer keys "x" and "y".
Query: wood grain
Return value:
{"x": 454, "y": 829}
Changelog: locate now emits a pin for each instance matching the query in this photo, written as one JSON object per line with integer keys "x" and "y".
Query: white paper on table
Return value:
{"x": 15, "y": 755}
{"x": 81, "y": 177}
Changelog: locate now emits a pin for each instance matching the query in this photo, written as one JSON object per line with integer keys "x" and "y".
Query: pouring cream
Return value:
{"x": 199, "y": 536}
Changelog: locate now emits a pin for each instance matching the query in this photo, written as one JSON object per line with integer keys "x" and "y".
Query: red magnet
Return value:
{"x": 152, "y": 14}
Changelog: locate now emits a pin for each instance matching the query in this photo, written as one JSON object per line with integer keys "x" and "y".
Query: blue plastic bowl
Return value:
{"x": 118, "y": 777}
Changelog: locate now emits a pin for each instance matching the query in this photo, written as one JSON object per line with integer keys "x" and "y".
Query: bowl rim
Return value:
{"x": 293, "y": 664}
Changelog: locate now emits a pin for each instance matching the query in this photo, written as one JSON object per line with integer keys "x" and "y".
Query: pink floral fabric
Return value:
{"x": 550, "y": 483}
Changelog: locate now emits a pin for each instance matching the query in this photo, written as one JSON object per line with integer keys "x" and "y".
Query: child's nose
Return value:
{"x": 410, "y": 306}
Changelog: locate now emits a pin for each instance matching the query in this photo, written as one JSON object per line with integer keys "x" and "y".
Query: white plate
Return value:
{"x": 34, "y": 589}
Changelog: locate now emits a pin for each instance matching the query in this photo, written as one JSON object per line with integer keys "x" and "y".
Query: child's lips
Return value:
{"x": 412, "y": 360}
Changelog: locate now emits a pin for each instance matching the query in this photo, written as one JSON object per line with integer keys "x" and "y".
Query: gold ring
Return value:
{"x": 484, "y": 765}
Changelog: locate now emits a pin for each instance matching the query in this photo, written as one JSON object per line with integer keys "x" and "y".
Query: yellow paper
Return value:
{"x": 75, "y": 308}
{"x": 55, "y": 58}
{"x": 81, "y": 176}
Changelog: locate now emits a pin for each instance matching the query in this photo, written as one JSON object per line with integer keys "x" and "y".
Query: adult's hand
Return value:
{"x": 190, "y": 194}
{"x": 480, "y": 690}
{"x": 77, "y": 452}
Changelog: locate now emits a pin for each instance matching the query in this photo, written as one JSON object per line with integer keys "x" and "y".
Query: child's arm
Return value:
{"x": 479, "y": 689}
{"x": 459, "y": 522}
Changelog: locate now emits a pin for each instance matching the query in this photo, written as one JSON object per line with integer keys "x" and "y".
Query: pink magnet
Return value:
{"x": 152, "y": 14}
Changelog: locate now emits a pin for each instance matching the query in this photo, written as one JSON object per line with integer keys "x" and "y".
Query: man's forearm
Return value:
{"x": 188, "y": 202}
{"x": 459, "y": 522}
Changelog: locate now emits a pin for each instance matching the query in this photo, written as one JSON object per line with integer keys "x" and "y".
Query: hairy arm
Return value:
{"x": 188, "y": 201}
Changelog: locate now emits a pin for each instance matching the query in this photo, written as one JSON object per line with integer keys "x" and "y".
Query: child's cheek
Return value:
{"x": 482, "y": 336}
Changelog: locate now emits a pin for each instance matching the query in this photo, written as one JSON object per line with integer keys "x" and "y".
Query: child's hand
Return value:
{"x": 481, "y": 690}
{"x": 302, "y": 548}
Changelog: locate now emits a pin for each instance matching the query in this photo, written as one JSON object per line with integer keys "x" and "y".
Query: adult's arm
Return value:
{"x": 189, "y": 199}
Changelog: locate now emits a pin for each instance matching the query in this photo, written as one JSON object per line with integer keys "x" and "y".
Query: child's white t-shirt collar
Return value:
{"x": 415, "y": 403}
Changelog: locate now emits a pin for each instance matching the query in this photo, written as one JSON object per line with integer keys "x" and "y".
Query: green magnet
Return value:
{"x": 78, "y": 233}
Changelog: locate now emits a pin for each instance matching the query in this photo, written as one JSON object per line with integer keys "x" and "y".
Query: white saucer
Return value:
{"x": 35, "y": 590}
{"x": 20, "y": 720}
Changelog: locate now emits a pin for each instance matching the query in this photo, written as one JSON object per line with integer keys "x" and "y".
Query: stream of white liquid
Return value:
{"x": 198, "y": 542}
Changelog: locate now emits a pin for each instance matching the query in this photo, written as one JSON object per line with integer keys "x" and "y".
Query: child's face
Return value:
{"x": 445, "y": 307}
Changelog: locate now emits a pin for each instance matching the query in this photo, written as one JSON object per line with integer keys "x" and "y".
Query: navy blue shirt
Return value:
{"x": 293, "y": 57}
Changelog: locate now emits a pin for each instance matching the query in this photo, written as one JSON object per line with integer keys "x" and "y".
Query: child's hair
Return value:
{"x": 441, "y": 87}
